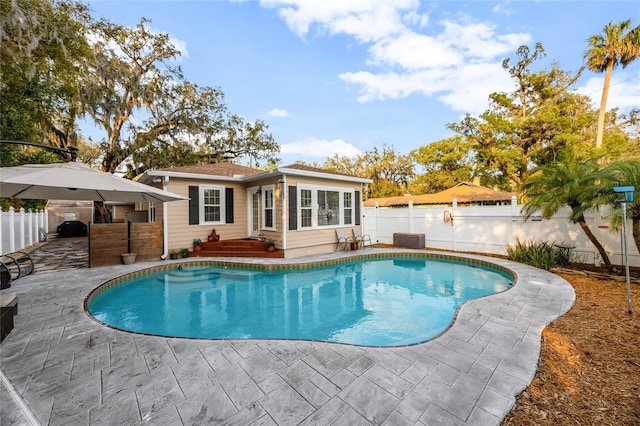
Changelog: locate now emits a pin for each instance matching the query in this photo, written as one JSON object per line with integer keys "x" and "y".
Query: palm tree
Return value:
{"x": 627, "y": 173}
{"x": 615, "y": 45}
{"x": 566, "y": 183}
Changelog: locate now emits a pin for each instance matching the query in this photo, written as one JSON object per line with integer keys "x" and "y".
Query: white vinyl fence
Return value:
{"x": 480, "y": 229}
{"x": 490, "y": 229}
{"x": 21, "y": 229}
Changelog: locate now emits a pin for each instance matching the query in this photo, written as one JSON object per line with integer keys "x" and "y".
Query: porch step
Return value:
{"x": 236, "y": 248}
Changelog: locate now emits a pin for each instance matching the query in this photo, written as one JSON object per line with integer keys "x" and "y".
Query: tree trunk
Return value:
{"x": 635, "y": 224}
{"x": 595, "y": 242}
{"x": 603, "y": 105}
{"x": 101, "y": 213}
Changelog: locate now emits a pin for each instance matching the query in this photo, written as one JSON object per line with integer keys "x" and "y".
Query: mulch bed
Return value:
{"x": 589, "y": 367}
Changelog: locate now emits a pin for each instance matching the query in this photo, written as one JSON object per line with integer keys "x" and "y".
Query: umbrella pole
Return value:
{"x": 129, "y": 237}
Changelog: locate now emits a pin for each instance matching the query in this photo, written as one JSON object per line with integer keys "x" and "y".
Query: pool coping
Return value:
{"x": 66, "y": 366}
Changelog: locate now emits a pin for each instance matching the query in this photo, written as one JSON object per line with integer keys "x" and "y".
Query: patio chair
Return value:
{"x": 363, "y": 238}
{"x": 342, "y": 239}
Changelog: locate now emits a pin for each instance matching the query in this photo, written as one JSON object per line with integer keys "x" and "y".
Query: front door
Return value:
{"x": 254, "y": 211}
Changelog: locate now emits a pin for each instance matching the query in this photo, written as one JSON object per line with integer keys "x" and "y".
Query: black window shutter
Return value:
{"x": 293, "y": 208}
{"x": 228, "y": 212}
{"x": 194, "y": 208}
{"x": 357, "y": 201}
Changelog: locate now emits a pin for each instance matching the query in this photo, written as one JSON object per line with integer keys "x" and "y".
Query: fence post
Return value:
{"x": 410, "y": 216}
{"x": 30, "y": 227}
{"x": 377, "y": 205}
{"x": 12, "y": 229}
{"x": 40, "y": 223}
{"x": 454, "y": 240}
{"x": 514, "y": 220}
{"x": 45, "y": 222}
{"x": 21, "y": 220}
{"x": 33, "y": 227}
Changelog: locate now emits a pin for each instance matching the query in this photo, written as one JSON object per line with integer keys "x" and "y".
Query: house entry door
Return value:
{"x": 254, "y": 212}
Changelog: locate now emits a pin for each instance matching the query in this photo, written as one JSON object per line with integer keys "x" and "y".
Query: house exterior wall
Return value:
{"x": 277, "y": 234}
{"x": 298, "y": 242}
{"x": 303, "y": 242}
{"x": 181, "y": 233}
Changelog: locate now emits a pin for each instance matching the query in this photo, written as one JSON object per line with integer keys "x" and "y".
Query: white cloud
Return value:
{"x": 413, "y": 51}
{"x": 278, "y": 112}
{"x": 321, "y": 148}
{"x": 624, "y": 91}
{"x": 180, "y": 45}
{"x": 458, "y": 60}
{"x": 503, "y": 8}
{"x": 465, "y": 88}
{"x": 479, "y": 41}
{"x": 468, "y": 87}
{"x": 365, "y": 20}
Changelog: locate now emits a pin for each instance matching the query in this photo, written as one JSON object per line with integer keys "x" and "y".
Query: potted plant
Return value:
{"x": 128, "y": 258}
{"x": 197, "y": 244}
{"x": 271, "y": 246}
{"x": 184, "y": 252}
{"x": 355, "y": 244}
{"x": 214, "y": 236}
{"x": 174, "y": 253}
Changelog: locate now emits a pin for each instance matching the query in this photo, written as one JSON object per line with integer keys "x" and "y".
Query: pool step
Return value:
{"x": 236, "y": 248}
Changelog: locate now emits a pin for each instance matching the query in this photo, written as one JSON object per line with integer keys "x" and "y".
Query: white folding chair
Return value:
{"x": 342, "y": 239}
{"x": 363, "y": 238}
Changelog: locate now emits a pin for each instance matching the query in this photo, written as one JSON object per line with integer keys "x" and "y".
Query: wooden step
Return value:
{"x": 236, "y": 248}
{"x": 235, "y": 253}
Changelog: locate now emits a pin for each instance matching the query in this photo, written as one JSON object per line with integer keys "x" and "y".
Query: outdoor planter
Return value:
{"x": 128, "y": 258}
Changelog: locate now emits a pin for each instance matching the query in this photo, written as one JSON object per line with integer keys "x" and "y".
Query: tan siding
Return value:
{"x": 300, "y": 242}
{"x": 181, "y": 234}
{"x": 313, "y": 241}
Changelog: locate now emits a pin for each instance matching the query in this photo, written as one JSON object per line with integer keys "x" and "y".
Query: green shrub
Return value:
{"x": 543, "y": 255}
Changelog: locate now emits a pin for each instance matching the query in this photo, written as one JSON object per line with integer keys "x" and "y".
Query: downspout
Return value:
{"x": 285, "y": 209}
{"x": 165, "y": 221}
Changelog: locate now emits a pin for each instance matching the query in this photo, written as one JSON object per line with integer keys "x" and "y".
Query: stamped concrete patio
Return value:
{"x": 59, "y": 366}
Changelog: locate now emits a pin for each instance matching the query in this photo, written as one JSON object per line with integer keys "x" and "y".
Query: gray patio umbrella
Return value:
{"x": 75, "y": 181}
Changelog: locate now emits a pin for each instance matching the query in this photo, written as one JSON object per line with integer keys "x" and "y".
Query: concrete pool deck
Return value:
{"x": 59, "y": 366}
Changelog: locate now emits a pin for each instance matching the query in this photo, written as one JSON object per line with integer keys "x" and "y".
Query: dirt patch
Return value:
{"x": 589, "y": 368}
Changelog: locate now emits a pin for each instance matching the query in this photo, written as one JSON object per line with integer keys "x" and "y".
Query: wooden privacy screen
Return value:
{"x": 107, "y": 241}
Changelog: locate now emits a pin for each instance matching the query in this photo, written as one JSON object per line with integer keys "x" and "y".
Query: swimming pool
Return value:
{"x": 372, "y": 301}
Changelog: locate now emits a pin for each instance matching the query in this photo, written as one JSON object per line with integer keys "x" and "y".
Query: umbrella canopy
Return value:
{"x": 75, "y": 181}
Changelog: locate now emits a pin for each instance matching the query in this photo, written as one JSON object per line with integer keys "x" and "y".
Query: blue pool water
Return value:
{"x": 377, "y": 302}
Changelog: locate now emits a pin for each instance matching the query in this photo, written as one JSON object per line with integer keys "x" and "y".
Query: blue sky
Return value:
{"x": 345, "y": 76}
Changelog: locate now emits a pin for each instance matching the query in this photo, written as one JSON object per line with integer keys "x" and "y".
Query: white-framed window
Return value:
{"x": 324, "y": 206}
{"x": 268, "y": 207}
{"x": 152, "y": 211}
{"x": 306, "y": 208}
{"x": 211, "y": 204}
{"x": 347, "y": 207}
